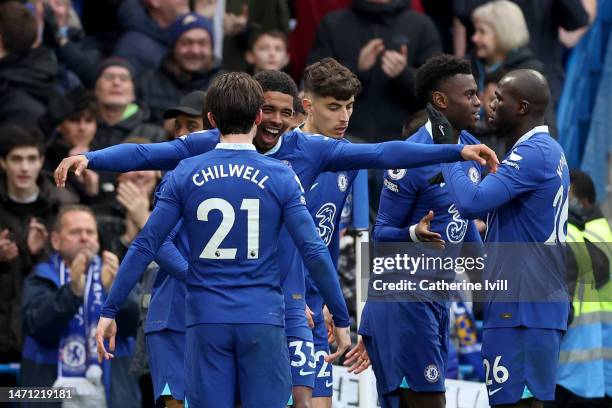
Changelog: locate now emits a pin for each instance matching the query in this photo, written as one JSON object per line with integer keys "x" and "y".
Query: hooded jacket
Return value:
{"x": 27, "y": 82}
{"x": 143, "y": 42}
{"x": 385, "y": 102}
{"x": 163, "y": 87}
{"x": 15, "y": 217}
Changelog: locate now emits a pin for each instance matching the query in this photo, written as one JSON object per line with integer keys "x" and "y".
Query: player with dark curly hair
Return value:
{"x": 407, "y": 340}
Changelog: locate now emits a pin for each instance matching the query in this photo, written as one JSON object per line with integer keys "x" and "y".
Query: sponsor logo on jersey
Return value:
{"x": 342, "y": 181}
{"x": 455, "y": 230}
{"x": 512, "y": 160}
{"x": 396, "y": 174}
{"x": 325, "y": 225}
{"x": 432, "y": 373}
{"x": 391, "y": 186}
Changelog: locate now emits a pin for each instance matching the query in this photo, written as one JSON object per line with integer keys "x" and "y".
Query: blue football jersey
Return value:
{"x": 409, "y": 194}
{"x": 326, "y": 201}
{"x": 526, "y": 201}
{"x": 307, "y": 155}
{"x": 232, "y": 202}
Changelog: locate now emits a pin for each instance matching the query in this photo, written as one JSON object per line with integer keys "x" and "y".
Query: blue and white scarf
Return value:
{"x": 78, "y": 359}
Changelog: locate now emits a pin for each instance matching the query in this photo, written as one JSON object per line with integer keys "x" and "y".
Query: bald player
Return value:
{"x": 526, "y": 201}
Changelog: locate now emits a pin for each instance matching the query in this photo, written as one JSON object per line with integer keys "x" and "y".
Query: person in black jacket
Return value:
{"x": 118, "y": 115}
{"x": 383, "y": 42}
{"x": 543, "y": 18}
{"x": 144, "y": 23}
{"x": 70, "y": 122}
{"x": 27, "y": 75}
{"x": 28, "y": 204}
{"x": 501, "y": 42}
{"x": 188, "y": 66}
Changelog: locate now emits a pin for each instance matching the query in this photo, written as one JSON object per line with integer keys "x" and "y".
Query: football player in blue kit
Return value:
{"x": 526, "y": 201}
{"x": 409, "y": 359}
{"x": 308, "y": 156}
{"x": 329, "y": 94}
{"x": 233, "y": 202}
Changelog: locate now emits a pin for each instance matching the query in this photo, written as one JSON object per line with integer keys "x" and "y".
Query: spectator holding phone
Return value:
{"x": 383, "y": 42}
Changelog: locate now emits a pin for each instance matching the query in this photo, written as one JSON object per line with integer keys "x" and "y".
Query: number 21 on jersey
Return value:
{"x": 212, "y": 250}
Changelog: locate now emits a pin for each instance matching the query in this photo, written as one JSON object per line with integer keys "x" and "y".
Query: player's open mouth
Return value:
{"x": 476, "y": 116}
{"x": 271, "y": 131}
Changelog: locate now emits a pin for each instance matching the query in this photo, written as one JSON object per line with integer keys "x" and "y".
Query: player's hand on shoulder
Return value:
{"x": 482, "y": 155}
{"x": 441, "y": 129}
{"x": 75, "y": 163}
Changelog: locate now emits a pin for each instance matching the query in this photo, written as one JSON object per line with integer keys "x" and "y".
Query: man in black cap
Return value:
{"x": 187, "y": 115}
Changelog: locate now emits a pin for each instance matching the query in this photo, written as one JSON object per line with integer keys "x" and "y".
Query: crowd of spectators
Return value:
{"x": 80, "y": 75}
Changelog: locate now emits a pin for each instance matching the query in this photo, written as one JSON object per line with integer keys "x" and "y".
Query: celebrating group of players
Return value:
{"x": 240, "y": 256}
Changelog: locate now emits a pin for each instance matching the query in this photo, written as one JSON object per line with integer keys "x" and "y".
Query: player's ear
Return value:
{"x": 307, "y": 105}
{"x": 211, "y": 119}
{"x": 523, "y": 107}
{"x": 259, "y": 117}
{"x": 439, "y": 100}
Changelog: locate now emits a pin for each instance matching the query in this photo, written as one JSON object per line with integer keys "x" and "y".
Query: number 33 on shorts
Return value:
{"x": 302, "y": 357}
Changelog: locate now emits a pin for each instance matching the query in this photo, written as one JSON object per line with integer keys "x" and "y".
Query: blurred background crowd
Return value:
{"x": 80, "y": 75}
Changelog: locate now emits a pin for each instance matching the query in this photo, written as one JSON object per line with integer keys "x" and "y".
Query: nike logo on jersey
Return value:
{"x": 494, "y": 391}
{"x": 328, "y": 384}
{"x": 313, "y": 186}
{"x": 303, "y": 373}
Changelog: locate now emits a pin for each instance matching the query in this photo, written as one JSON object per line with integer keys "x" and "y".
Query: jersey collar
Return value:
{"x": 235, "y": 146}
{"x": 428, "y": 128}
{"x": 527, "y": 136}
{"x": 276, "y": 147}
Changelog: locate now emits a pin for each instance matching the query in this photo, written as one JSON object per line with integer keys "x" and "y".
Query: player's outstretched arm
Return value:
{"x": 334, "y": 155}
{"x": 129, "y": 156}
